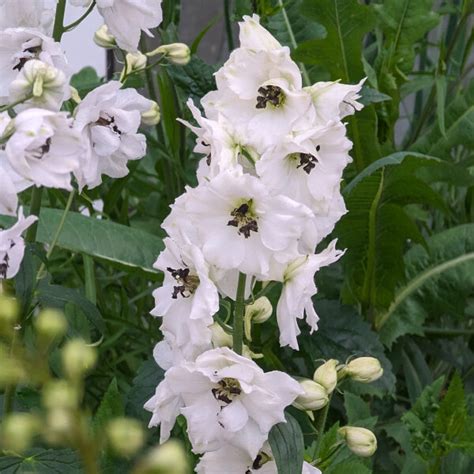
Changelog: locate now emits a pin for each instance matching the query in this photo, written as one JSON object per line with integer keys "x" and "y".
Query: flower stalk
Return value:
{"x": 238, "y": 333}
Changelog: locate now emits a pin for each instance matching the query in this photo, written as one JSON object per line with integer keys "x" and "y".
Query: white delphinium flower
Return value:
{"x": 42, "y": 84}
{"x": 298, "y": 288}
{"x": 17, "y": 47}
{"x": 108, "y": 119}
{"x": 126, "y": 19}
{"x": 232, "y": 460}
{"x": 12, "y": 246}
{"x": 240, "y": 225}
{"x": 44, "y": 148}
{"x": 225, "y": 398}
{"x": 36, "y": 14}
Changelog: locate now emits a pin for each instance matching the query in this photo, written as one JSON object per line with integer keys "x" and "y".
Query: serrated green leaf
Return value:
{"x": 42, "y": 461}
{"x": 439, "y": 281}
{"x": 354, "y": 467}
{"x": 111, "y": 406}
{"x": 356, "y": 408}
{"x": 286, "y": 441}
{"x": 85, "y": 80}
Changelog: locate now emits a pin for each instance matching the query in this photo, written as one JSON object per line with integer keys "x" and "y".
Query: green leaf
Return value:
{"x": 441, "y": 85}
{"x": 342, "y": 333}
{"x": 42, "y": 461}
{"x": 356, "y": 408}
{"x": 286, "y": 441}
{"x": 352, "y": 467}
{"x": 111, "y": 406}
{"x": 440, "y": 279}
{"x": 85, "y": 80}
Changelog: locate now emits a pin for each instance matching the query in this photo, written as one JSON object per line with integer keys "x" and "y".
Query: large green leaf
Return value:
{"x": 286, "y": 441}
{"x": 111, "y": 406}
{"x": 42, "y": 461}
{"x": 440, "y": 279}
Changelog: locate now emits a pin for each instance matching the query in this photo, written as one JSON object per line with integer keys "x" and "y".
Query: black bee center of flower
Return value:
{"x": 273, "y": 95}
{"x": 109, "y": 122}
{"x": 30, "y": 53}
{"x": 187, "y": 283}
{"x": 4, "y": 266}
{"x": 227, "y": 390}
{"x": 243, "y": 220}
{"x": 39, "y": 152}
{"x": 308, "y": 161}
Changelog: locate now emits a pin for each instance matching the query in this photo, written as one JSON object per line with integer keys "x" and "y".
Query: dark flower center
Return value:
{"x": 261, "y": 459}
{"x": 108, "y": 122}
{"x": 270, "y": 94}
{"x": 308, "y": 161}
{"x": 187, "y": 283}
{"x": 29, "y": 53}
{"x": 39, "y": 152}
{"x": 243, "y": 220}
{"x": 227, "y": 390}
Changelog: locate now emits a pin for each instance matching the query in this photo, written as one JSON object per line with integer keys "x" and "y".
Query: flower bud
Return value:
{"x": 8, "y": 314}
{"x": 219, "y": 337}
{"x": 44, "y": 85}
{"x": 152, "y": 116}
{"x": 60, "y": 394}
{"x": 364, "y": 369}
{"x": 75, "y": 95}
{"x": 103, "y": 38}
{"x": 360, "y": 441}
{"x": 176, "y": 53}
{"x": 169, "y": 458}
{"x": 314, "y": 397}
{"x": 78, "y": 358}
{"x": 50, "y": 324}
{"x": 258, "y": 312}
{"x": 134, "y": 62}
{"x": 60, "y": 424}
{"x": 18, "y": 430}
{"x": 326, "y": 375}
{"x": 6, "y": 128}
{"x": 11, "y": 369}
{"x": 126, "y": 436}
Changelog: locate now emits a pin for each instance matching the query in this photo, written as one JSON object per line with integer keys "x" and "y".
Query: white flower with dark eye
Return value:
{"x": 20, "y": 45}
{"x": 240, "y": 225}
{"x": 35, "y": 14}
{"x": 44, "y": 148}
{"x": 12, "y": 246}
{"x": 41, "y": 84}
{"x": 298, "y": 288}
{"x": 237, "y": 461}
{"x": 108, "y": 119}
{"x": 126, "y": 19}
{"x": 225, "y": 398}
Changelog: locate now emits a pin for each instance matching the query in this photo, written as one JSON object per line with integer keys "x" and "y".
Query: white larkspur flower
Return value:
{"x": 44, "y": 148}
{"x": 12, "y": 246}
{"x": 240, "y": 225}
{"x": 108, "y": 119}
{"x": 17, "y": 47}
{"x": 225, "y": 398}
{"x": 126, "y": 19}
{"x": 254, "y": 36}
{"x": 35, "y": 14}
{"x": 44, "y": 85}
{"x": 232, "y": 460}
{"x": 298, "y": 288}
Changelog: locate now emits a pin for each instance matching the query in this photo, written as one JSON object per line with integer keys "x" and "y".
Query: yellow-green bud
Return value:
{"x": 126, "y": 436}
{"x": 258, "y": 312}
{"x": 50, "y": 324}
{"x": 78, "y": 358}
{"x": 60, "y": 424}
{"x": 134, "y": 62}
{"x": 11, "y": 369}
{"x": 326, "y": 375}
{"x": 103, "y": 38}
{"x": 75, "y": 95}
{"x": 18, "y": 430}
{"x": 176, "y": 53}
{"x": 360, "y": 441}
{"x": 8, "y": 314}
{"x": 364, "y": 369}
{"x": 60, "y": 394}
{"x": 314, "y": 397}
{"x": 152, "y": 116}
{"x": 169, "y": 458}
{"x": 219, "y": 337}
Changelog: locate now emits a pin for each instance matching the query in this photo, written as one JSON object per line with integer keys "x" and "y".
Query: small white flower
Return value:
{"x": 35, "y": 14}
{"x": 103, "y": 38}
{"x": 225, "y": 398}
{"x": 43, "y": 85}
{"x": 12, "y": 246}
{"x": 298, "y": 288}
{"x": 175, "y": 53}
{"x": 108, "y": 119}
{"x": 126, "y": 19}
{"x": 20, "y": 45}
{"x": 44, "y": 148}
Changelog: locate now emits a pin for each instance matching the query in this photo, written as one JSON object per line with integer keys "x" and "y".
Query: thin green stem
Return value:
{"x": 89, "y": 276}
{"x": 8, "y": 107}
{"x": 228, "y": 25}
{"x": 58, "y": 28}
{"x": 238, "y": 332}
{"x": 35, "y": 209}
{"x": 320, "y": 423}
{"x": 80, "y": 19}
{"x": 264, "y": 291}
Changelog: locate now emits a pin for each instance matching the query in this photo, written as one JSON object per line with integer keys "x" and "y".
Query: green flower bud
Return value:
{"x": 60, "y": 394}
{"x": 326, "y": 375}
{"x": 176, "y": 53}
{"x": 258, "y": 312}
{"x": 78, "y": 358}
{"x": 60, "y": 424}
{"x": 314, "y": 397}
{"x": 125, "y": 436}
{"x": 153, "y": 116}
{"x": 134, "y": 62}
{"x": 18, "y": 430}
{"x": 103, "y": 38}
{"x": 363, "y": 369}
{"x": 50, "y": 324}
{"x": 8, "y": 315}
{"x": 219, "y": 337}
{"x": 360, "y": 441}
{"x": 169, "y": 458}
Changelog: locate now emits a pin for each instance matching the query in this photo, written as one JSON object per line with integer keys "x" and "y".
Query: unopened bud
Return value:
{"x": 152, "y": 116}
{"x": 50, "y": 324}
{"x": 134, "y": 62}
{"x": 360, "y": 441}
{"x": 78, "y": 358}
{"x": 75, "y": 95}
{"x": 60, "y": 424}
{"x": 326, "y": 375}
{"x": 169, "y": 458}
{"x": 8, "y": 315}
{"x": 11, "y": 369}
{"x": 258, "y": 312}
{"x": 60, "y": 394}
{"x": 126, "y": 436}
{"x": 219, "y": 337}
{"x": 18, "y": 430}
{"x": 103, "y": 38}
{"x": 363, "y": 369}
{"x": 314, "y": 397}
{"x": 176, "y": 53}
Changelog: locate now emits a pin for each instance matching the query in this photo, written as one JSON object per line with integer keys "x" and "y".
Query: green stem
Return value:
{"x": 228, "y": 25}
{"x": 35, "y": 208}
{"x": 238, "y": 332}
{"x": 320, "y": 423}
{"x": 80, "y": 19}
{"x": 8, "y": 107}
{"x": 89, "y": 276}
{"x": 58, "y": 28}
{"x": 263, "y": 291}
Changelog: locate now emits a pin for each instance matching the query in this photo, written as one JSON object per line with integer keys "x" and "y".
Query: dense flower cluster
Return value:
{"x": 268, "y": 194}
